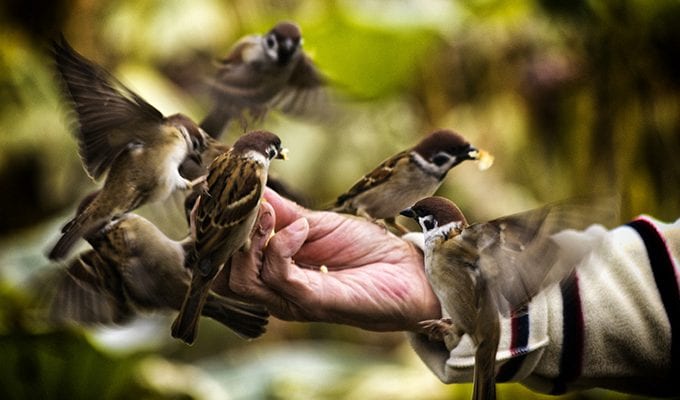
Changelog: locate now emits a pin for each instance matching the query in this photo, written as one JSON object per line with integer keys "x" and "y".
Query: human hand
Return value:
{"x": 374, "y": 280}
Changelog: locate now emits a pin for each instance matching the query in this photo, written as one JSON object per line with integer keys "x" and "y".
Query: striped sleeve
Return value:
{"x": 614, "y": 324}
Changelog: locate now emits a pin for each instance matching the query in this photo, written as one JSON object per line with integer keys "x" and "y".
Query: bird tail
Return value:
{"x": 75, "y": 229}
{"x": 484, "y": 380}
{"x": 185, "y": 326}
{"x": 245, "y": 319}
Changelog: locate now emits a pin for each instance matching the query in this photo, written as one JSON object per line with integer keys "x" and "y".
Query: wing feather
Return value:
{"x": 380, "y": 174}
{"x": 109, "y": 115}
{"x": 227, "y": 203}
{"x": 519, "y": 256}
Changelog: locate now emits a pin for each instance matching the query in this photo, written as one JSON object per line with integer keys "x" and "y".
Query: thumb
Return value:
{"x": 281, "y": 248}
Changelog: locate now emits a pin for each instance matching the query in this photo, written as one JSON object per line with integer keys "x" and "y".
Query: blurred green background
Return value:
{"x": 572, "y": 97}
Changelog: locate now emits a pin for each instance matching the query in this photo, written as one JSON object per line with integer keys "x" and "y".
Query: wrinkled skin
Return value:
{"x": 375, "y": 280}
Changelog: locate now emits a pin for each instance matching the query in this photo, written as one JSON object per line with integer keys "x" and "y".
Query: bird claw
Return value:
{"x": 441, "y": 330}
{"x": 196, "y": 182}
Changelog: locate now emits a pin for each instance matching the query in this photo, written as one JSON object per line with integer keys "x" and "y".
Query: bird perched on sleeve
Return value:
{"x": 133, "y": 267}
{"x": 407, "y": 177}
{"x": 261, "y": 72}
{"x": 478, "y": 271}
{"x": 224, "y": 216}
{"x": 121, "y": 135}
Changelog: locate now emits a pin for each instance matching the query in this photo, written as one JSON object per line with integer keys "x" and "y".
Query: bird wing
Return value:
{"x": 519, "y": 256}
{"x": 234, "y": 189}
{"x": 374, "y": 178}
{"x": 109, "y": 115}
{"x": 77, "y": 294}
{"x": 304, "y": 90}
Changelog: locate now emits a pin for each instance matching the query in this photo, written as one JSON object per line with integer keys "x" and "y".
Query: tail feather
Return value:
{"x": 245, "y": 319}
{"x": 185, "y": 326}
{"x": 71, "y": 232}
{"x": 484, "y": 380}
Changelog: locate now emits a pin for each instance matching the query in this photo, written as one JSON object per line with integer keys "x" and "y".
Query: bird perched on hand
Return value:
{"x": 121, "y": 135}
{"x": 406, "y": 177}
{"x": 224, "y": 216}
{"x": 134, "y": 267}
{"x": 260, "y": 72}
{"x": 478, "y": 271}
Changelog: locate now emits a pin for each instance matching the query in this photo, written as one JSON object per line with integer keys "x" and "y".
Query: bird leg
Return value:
{"x": 401, "y": 229}
{"x": 198, "y": 181}
{"x": 441, "y": 330}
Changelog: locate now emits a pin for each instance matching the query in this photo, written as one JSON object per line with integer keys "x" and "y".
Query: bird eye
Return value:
{"x": 271, "y": 153}
{"x": 270, "y": 41}
{"x": 195, "y": 143}
{"x": 440, "y": 159}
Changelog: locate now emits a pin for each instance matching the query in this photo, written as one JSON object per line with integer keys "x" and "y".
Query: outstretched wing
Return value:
{"x": 520, "y": 254}
{"x": 304, "y": 90}
{"x": 109, "y": 115}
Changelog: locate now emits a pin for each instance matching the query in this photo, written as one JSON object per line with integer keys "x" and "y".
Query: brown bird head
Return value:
{"x": 445, "y": 149}
{"x": 195, "y": 137}
{"x": 285, "y": 39}
{"x": 433, "y": 212}
{"x": 263, "y": 142}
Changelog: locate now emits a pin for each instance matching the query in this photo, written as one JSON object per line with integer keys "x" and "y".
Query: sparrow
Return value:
{"x": 482, "y": 270}
{"x": 134, "y": 268}
{"x": 223, "y": 218}
{"x": 121, "y": 136}
{"x": 406, "y": 177}
{"x": 261, "y": 72}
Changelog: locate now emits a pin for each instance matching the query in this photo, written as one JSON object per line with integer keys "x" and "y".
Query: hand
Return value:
{"x": 375, "y": 280}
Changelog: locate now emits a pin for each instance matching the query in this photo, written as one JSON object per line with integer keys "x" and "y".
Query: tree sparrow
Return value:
{"x": 406, "y": 177}
{"x": 260, "y": 72}
{"x": 120, "y": 133}
{"x": 223, "y": 218}
{"x": 479, "y": 270}
{"x": 134, "y": 267}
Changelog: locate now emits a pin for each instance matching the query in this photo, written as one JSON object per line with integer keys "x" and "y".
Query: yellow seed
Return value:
{"x": 484, "y": 160}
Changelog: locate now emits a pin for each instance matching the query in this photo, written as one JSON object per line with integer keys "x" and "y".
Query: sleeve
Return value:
{"x": 609, "y": 325}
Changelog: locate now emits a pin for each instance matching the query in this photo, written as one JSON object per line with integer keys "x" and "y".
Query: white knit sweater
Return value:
{"x": 609, "y": 326}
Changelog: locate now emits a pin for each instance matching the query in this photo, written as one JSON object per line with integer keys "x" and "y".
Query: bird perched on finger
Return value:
{"x": 482, "y": 270}
{"x": 262, "y": 71}
{"x": 223, "y": 218}
{"x": 133, "y": 268}
{"x": 406, "y": 177}
{"x": 121, "y": 136}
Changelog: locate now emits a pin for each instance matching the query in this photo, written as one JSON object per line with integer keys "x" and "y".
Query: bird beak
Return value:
{"x": 196, "y": 157}
{"x": 288, "y": 44}
{"x": 283, "y": 154}
{"x": 408, "y": 213}
{"x": 472, "y": 153}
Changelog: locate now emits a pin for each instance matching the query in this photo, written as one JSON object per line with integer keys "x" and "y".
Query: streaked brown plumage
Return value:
{"x": 134, "y": 268}
{"x": 223, "y": 218}
{"x": 406, "y": 177}
{"x": 120, "y": 135}
{"x": 482, "y": 270}
{"x": 261, "y": 72}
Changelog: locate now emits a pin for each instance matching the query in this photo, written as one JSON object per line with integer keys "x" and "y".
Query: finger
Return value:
{"x": 279, "y": 271}
{"x": 244, "y": 278}
{"x": 287, "y": 211}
